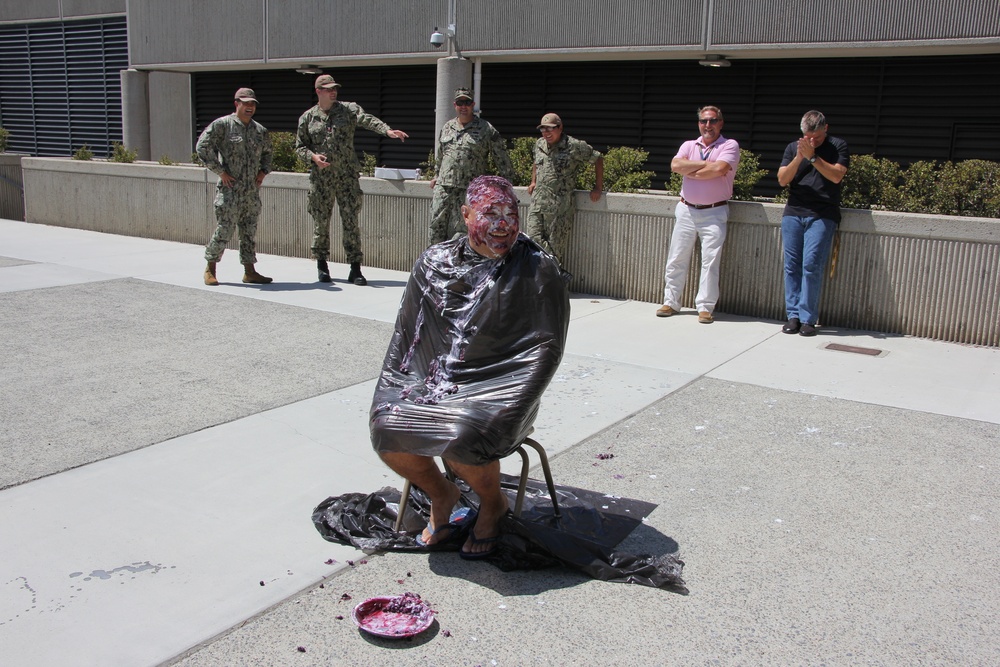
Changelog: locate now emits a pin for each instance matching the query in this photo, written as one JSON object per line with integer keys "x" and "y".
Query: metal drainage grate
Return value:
{"x": 854, "y": 349}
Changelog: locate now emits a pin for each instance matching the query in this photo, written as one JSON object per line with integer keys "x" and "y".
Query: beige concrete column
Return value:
{"x": 171, "y": 116}
{"x": 452, "y": 72}
{"x": 135, "y": 112}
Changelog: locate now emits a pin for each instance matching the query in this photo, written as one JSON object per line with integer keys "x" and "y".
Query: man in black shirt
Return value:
{"x": 812, "y": 168}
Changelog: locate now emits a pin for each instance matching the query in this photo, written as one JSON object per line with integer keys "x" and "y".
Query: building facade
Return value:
{"x": 906, "y": 80}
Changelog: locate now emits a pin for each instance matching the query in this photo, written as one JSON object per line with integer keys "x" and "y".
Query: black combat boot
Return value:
{"x": 355, "y": 275}
{"x": 323, "y": 270}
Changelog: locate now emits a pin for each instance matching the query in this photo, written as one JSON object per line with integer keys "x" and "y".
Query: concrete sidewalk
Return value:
{"x": 166, "y": 443}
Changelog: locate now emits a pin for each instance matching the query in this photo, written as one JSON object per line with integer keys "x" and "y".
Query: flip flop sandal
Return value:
{"x": 479, "y": 541}
{"x": 458, "y": 525}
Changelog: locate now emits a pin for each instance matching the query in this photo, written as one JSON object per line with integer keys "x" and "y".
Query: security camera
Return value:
{"x": 437, "y": 39}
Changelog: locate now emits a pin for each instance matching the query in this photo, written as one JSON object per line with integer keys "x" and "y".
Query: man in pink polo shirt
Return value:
{"x": 708, "y": 165}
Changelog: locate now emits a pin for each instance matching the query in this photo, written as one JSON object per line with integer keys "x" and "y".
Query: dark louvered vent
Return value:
{"x": 401, "y": 96}
{"x": 60, "y": 86}
{"x": 905, "y": 109}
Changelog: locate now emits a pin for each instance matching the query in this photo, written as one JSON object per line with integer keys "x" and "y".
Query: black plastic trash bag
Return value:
{"x": 476, "y": 343}
{"x": 584, "y": 538}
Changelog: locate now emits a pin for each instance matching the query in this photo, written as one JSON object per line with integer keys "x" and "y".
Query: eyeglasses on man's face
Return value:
{"x": 463, "y": 103}
{"x": 708, "y": 121}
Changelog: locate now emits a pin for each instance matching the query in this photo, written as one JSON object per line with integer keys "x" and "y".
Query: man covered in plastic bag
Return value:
{"x": 479, "y": 335}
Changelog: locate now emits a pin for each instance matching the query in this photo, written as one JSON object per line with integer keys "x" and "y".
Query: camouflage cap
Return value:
{"x": 463, "y": 94}
{"x": 326, "y": 81}
{"x": 550, "y": 120}
{"x": 245, "y": 95}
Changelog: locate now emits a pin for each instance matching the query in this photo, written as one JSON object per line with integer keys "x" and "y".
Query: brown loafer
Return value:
{"x": 665, "y": 311}
{"x": 705, "y": 317}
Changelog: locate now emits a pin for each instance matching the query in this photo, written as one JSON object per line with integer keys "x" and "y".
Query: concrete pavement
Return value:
{"x": 166, "y": 443}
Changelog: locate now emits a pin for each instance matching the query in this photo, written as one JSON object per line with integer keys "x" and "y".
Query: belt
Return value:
{"x": 703, "y": 206}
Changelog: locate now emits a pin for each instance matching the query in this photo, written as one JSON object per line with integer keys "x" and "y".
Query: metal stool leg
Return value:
{"x": 523, "y": 483}
{"x": 546, "y": 471}
{"x": 404, "y": 498}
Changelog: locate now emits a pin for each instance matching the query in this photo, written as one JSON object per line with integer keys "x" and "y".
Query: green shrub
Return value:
{"x": 196, "y": 160}
{"x": 522, "y": 158}
{"x": 284, "y": 157}
{"x": 970, "y": 187}
{"x": 917, "y": 187}
{"x": 83, "y": 153}
{"x": 428, "y": 168}
{"x": 367, "y": 164}
{"x": 623, "y": 171}
{"x": 748, "y": 174}
{"x": 916, "y": 192}
{"x": 121, "y": 154}
{"x": 673, "y": 186}
{"x": 166, "y": 161}
{"x": 871, "y": 182}
{"x": 622, "y": 168}
{"x": 4, "y": 135}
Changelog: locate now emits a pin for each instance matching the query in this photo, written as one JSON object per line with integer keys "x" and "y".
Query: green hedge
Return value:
{"x": 4, "y": 135}
{"x": 284, "y": 158}
{"x": 623, "y": 170}
{"x": 83, "y": 153}
{"x": 969, "y": 188}
{"x": 121, "y": 154}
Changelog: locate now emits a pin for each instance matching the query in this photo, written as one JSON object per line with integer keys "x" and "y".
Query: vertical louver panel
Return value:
{"x": 403, "y": 97}
{"x": 905, "y": 109}
{"x": 60, "y": 86}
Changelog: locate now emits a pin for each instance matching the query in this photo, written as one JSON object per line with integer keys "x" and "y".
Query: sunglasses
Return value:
{"x": 708, "y": 121}
{"x": 463, "y": 103}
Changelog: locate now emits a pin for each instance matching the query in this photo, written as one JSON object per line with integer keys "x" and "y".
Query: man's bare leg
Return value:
{"x": 424, "y": 472}
{"x": 485, "y": 481}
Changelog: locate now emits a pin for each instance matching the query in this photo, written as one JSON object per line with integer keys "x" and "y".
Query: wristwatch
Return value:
{"x": 812, "y": 160}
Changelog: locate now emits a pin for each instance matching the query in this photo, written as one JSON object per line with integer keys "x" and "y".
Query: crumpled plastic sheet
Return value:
{"x": 584, "y": 538}
{"x": 475, "y": 344}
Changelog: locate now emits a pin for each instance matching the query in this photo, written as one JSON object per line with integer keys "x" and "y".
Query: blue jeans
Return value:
{"x": 807, "y": 246}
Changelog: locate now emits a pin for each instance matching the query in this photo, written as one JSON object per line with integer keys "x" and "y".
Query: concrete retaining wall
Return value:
{"x": 931, "y": 276}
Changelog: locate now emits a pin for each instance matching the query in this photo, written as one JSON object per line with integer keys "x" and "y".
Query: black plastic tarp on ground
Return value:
{"x": 584, "y": 537}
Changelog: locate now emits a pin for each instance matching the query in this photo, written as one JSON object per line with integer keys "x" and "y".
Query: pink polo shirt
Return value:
{"x": 713, "y": 190}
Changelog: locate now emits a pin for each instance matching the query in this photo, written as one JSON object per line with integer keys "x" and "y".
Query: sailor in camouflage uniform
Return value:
{"x": 238, "y": 149}
{"x": 558, "y": 159}
{"x": 325, "y": 141}
{"x": 463, "y": 152}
